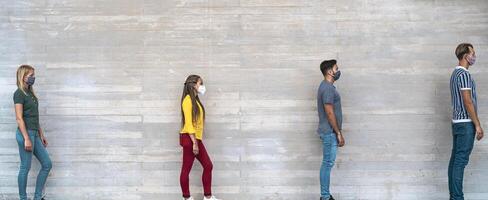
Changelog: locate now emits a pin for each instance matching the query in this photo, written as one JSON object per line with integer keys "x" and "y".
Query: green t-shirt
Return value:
{"x": 30, "y": 111}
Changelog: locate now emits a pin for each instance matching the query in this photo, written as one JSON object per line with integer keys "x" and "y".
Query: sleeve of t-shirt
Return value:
{"x": 18, "y": 97}
{"x": 328, "y": 95}
{"x": 464, "y": 81}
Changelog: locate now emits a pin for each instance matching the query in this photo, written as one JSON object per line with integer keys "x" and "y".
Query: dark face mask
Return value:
{"x": 337, "y": 75}
{"x": 31, "y": 80}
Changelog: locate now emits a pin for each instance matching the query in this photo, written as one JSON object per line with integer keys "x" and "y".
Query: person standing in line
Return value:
{"x": 465, "y": 122}
{"x": 30, "y": 136}
{"x": 330, "y": 123}
{"x": 191, "y": 135}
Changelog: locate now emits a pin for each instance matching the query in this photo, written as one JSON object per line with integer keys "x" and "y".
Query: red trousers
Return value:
{"x": 188, "y": 158}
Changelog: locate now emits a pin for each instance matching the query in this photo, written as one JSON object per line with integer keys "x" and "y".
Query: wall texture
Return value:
{"x": 110, "y": 75}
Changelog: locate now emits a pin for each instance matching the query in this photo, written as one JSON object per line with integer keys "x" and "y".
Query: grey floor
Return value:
{"x": 110, "y": 75}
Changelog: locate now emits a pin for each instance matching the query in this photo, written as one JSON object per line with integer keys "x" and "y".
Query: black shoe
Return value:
{"x": 330, "y": 198}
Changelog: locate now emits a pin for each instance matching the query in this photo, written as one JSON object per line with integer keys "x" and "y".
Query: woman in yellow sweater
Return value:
{"x": 192, "y": 119}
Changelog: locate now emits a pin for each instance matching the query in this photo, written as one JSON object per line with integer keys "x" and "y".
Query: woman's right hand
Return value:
{"x": 28, "y": 145}
{"x": 195, "y": 149}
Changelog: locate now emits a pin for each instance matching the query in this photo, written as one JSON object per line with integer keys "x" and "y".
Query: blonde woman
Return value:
{"x": 30, "y": 136}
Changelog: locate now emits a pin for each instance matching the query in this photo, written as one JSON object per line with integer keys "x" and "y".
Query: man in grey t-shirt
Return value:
{"x": 328, "y": 95}
{"x": 330, "y": 123}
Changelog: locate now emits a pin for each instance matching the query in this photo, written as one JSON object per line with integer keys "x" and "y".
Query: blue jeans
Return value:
{"x": 329, "y": 148}
{"x": 463, "y": 139}
{"x": 25, "y": 164}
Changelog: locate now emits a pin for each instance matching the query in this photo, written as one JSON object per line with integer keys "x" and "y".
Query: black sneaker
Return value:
{"x": 330, "y": 198}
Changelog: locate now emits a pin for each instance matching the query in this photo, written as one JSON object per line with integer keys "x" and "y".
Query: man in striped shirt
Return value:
{"x": 465, "y": 122}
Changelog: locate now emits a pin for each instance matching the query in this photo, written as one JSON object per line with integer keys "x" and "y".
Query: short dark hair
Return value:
{"x": 327, "y": 65}
{"x": 462, "y": 49}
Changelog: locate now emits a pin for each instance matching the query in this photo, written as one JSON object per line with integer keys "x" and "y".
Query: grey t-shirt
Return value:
{"x": 327, "y": 94}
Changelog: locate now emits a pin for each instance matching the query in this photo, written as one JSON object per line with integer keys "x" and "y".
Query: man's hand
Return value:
{"x": 479, "y": 133}
{"x": 340, "y": 140}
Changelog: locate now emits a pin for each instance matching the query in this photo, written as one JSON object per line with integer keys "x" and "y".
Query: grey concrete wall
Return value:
{"x": 110, "y": 75}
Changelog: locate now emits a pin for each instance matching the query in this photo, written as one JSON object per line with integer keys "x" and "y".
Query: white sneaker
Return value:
{"x": 191, "y": 198}
{"x": 211, "y": 198}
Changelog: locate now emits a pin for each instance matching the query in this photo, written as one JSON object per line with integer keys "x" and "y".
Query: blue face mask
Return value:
{"x": 31, "y": 80}
{"x": 337, "y": 75}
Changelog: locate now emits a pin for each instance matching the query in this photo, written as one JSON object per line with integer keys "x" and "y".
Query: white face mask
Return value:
{"x": 202, "y": 90}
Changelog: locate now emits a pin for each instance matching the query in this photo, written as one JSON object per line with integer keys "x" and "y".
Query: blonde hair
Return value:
{"x": 22, "y": 71}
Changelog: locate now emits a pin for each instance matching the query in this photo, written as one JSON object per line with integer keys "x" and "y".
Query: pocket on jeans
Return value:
{"x": 459, "y": 128}
{"x": 470, "y": 129}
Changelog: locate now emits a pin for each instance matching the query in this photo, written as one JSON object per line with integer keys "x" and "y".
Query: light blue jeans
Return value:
{"x": 329, "y": 148}
{"x": 25, "y": 164}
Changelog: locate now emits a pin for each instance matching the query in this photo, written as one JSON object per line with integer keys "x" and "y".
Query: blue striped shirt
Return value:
{"x": 461, "y": 80}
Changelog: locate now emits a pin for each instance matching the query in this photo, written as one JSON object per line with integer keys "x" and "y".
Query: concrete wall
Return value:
{"x": 110, "y": 75}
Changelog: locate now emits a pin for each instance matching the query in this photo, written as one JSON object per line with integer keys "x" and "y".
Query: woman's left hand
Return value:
{"x": 44, "y": 141}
